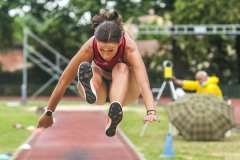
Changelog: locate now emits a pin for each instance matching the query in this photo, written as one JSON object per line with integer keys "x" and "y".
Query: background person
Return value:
{"x": 202, "y": 84}
{"x": 109, "y": 68}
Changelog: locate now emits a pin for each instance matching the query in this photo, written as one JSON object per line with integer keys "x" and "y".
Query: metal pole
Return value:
{"x": 160, "y": 93}
{"x": 24, "y": 78}
{"x": 144, "y": 129}
{"x": 174, "y": 94}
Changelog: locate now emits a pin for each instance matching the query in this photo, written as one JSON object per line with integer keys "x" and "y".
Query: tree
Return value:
{"x": 211, "y": 52}
{"x": 6, "y": 28}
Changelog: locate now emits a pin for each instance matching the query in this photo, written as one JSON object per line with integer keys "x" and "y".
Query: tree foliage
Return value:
{"x": 217, "y": 53}
{"x": 6, "y": 25}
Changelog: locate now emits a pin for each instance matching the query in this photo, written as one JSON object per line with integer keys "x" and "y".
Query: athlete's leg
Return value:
{"x": 120, "y": 83}
{"x": 123, "y": 91}
{"x": 124, "y": 87}
{"x": 98, "y": 89}
{"x": 133, "y": 91}
{"x": 117, "y": 92}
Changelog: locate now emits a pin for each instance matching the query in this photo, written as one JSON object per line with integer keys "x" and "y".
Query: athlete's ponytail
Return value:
{"x": 106, "y": 16}
{"x": 108, "y": 26}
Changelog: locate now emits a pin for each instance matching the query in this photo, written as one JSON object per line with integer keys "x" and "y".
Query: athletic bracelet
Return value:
{"x": 151, "y": 112}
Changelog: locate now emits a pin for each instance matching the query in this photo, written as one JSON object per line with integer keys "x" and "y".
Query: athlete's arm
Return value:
{"x": 69, "y": 74}
{"x": 134, "y": 58}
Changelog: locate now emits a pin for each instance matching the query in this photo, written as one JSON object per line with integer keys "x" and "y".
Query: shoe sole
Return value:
{"x": 85, "y": 75}
{"x": 115, "y": 115}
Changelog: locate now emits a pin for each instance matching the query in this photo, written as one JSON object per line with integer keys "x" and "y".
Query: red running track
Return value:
{"x": 78, "y": 135}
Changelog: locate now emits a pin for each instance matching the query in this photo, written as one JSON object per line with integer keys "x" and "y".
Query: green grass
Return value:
{"x": 10, "y": 137}
{"x": 150, "y": 145}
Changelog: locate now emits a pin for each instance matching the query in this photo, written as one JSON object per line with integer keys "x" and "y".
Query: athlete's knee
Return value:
{"x": 121, "y": 67}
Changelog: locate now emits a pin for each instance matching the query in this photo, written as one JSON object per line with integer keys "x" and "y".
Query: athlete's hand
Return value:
{"x": 45, "y": 121}
{"x": 150, "y": 118}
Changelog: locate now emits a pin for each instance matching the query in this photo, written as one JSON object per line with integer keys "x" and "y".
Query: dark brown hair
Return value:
{"x": 108, "y": 27}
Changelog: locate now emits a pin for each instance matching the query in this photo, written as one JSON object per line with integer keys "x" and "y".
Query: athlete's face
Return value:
{"x": 107, "y": 50}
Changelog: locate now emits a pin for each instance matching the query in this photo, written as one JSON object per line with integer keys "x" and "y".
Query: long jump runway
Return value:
{"x": 78, "y": 135}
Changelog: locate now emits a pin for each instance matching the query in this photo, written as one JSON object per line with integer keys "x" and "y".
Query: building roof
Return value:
{"x": 12, "y": 61}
